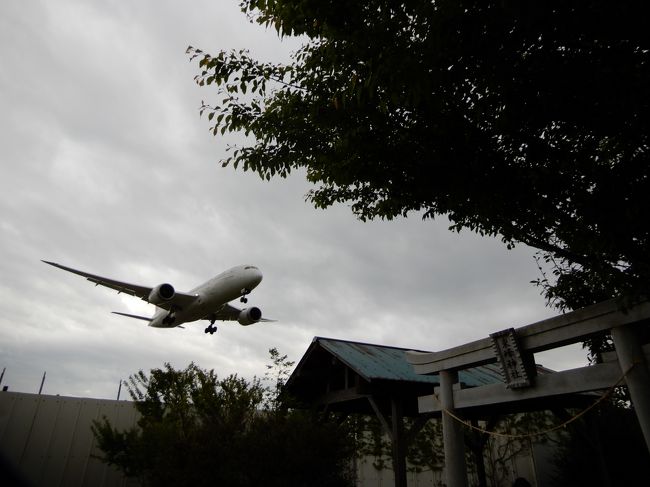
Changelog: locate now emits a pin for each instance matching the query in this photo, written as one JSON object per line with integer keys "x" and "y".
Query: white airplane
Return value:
{"x": 209, "y": 301}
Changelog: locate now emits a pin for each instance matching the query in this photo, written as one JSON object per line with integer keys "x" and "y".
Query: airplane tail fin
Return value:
{"x": 144, "y": 318}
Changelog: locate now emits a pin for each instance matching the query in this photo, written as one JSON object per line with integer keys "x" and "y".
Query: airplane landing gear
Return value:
{"x": 211, "y": 328}
{"x": 244, "y": 292}
{"x": 170, "y": 318}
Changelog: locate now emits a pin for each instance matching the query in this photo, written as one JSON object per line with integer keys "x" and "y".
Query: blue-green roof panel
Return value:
{"x": 378, "y": 362}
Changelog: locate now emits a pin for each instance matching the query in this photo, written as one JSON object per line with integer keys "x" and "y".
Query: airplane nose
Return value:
{"x": 257, "y": 276}
{"x": 253, "y": 275}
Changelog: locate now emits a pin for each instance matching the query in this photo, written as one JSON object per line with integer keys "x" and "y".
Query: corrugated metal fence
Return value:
{"x": 47, "y": 439}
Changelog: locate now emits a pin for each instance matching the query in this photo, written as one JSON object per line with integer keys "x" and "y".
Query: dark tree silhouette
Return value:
{"x": 196, "y": 429}
{"x": 523, "y": 120}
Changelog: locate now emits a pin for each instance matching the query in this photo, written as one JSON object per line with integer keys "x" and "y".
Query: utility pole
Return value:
{"x": 42, "y": 382}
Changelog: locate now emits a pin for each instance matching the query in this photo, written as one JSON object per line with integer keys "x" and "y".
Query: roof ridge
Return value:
{"x": 319, "y": 338}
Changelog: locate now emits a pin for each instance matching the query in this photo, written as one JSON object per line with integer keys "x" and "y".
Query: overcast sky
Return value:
{"x": 107, "y": 167}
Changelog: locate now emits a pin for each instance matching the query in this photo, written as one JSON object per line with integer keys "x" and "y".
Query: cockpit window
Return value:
{"x": 250, "y": 267}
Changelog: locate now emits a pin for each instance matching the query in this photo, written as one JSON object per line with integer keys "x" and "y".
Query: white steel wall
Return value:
{"x": 48, "y": 438}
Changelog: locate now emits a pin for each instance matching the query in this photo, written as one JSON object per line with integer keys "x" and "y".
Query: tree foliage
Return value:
{"x": 278, "y": 372}
{"x": 523, "y": 120}
{"x": 196, "y": 429}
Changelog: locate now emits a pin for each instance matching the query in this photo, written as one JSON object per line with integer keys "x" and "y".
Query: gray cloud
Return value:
{"x": 106, "y": 166}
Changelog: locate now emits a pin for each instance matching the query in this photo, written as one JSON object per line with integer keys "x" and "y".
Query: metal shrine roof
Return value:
{"x": 381, "y": 362}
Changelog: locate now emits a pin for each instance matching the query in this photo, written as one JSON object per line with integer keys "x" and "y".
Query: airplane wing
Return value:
{"x": 180, "y": 300}
{"x": 228, "y": 313}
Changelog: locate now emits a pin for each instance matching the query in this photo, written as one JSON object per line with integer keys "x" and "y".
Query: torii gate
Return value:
{"x": 514, "y": 350}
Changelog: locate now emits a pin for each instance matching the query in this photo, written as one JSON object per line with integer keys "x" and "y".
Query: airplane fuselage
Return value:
{"x": 211, "y": 296}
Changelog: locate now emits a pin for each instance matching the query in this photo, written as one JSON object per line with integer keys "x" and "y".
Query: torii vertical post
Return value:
{"x": 452, "y": 433}
{"x": 633, "y": 363}
{"x": 398, "y": 444}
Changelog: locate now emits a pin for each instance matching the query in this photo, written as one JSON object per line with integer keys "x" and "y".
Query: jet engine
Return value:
{"x": 161, "y": 294}
{"x": 249, "y": 316}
